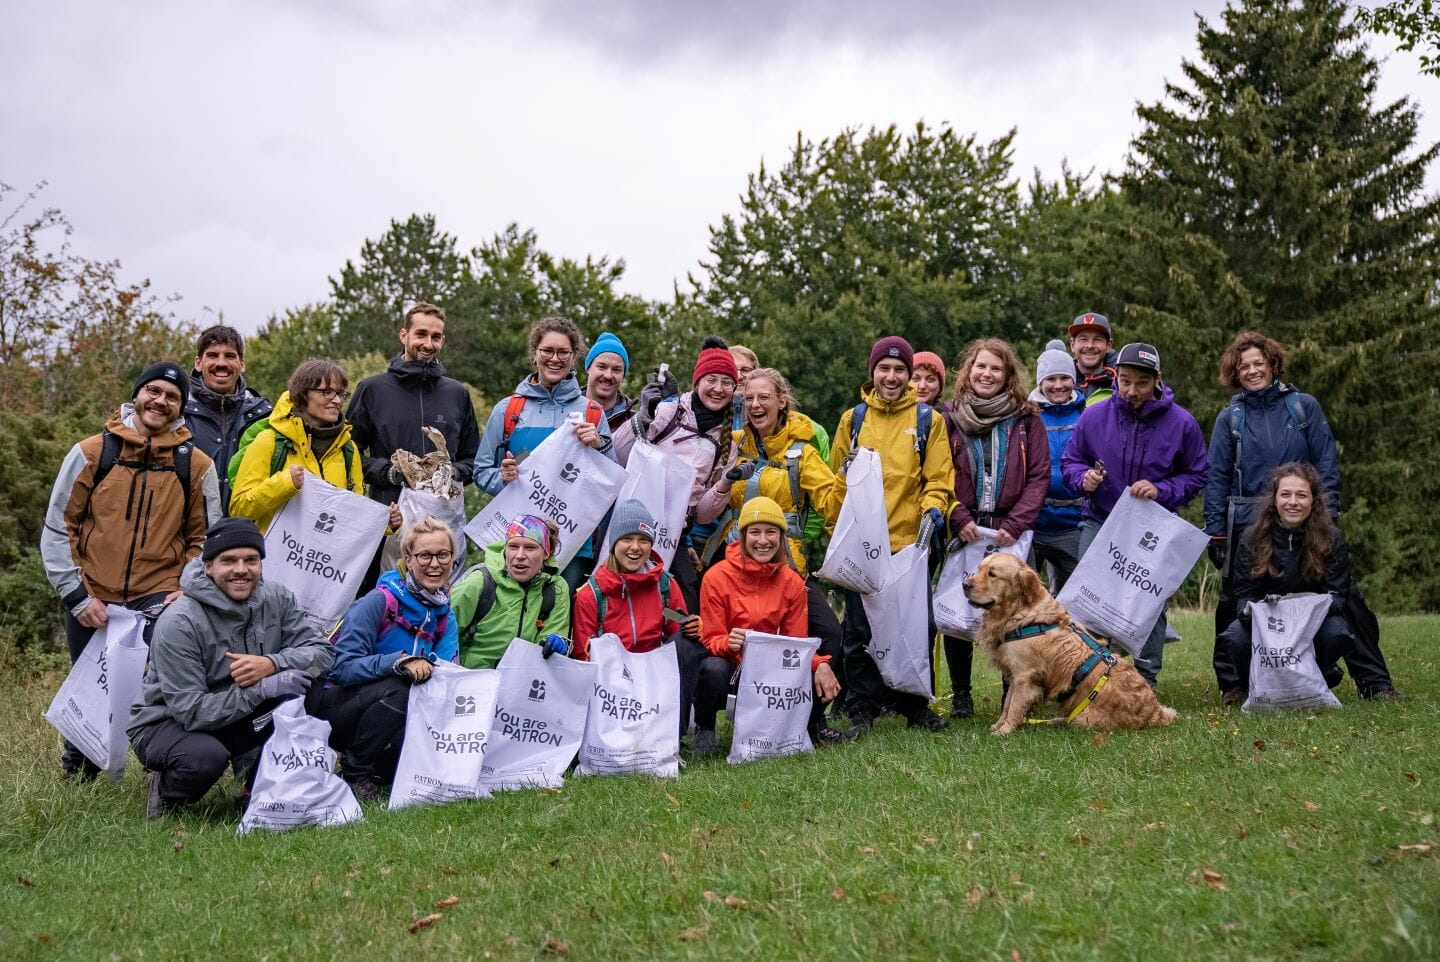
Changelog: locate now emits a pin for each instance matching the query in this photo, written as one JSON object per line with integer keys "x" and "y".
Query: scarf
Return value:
{"x": 986, "y": 424}
{"x": 707, "y": 420}
{"x": 976, "y": 416}
{"x": 439, "y": 598}
{"x": 321, "y": 437}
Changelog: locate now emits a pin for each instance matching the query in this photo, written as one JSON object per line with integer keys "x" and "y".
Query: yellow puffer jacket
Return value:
{"x": 912, "y": 484}
{"x": 818, "y": 484}
{"x": 258, "y": 494}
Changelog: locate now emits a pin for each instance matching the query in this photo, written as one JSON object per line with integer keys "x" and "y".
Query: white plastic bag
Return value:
{"x": 296, "y": 784}
{"x": 661, "y": 482}
{"x": 1139, "y": 558}
{"x": 954, "y": 614}
{"x": 570, "y": 483}
{"x": 1283, "y": 670}
{"x": 775, "y": 698}
{"x": 539, "y": 718}
{"x": 92, "y": 708}
{"x": 633, "y": 724}
{"x": 447, "y": 725}
{"x": 899, "y": 616}
{"x": 415, "y": 505}
{"x": 320, "y": 544}
{"x": 858, "y": 557}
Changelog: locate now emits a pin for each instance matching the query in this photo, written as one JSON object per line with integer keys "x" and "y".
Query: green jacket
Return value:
{"x": 515, "y": 614}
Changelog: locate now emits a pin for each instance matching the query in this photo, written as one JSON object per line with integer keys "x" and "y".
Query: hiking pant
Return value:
{"x": 1332, "y": 640}
{"x": 77, "y": 638}
{"x": 189, "y": 763}
{"x": 1062, "y": 550}
{"x": 1152, "y": 655}
{"x": 367, "y": 724}
{"x": 1226, "y": 678}
{"x": 868, "y": 692}
{"x": 715, "y": 684}
{"x": 821, "y": 622}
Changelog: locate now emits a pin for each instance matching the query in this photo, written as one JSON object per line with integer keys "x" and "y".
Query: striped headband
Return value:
{"x": 529, "y": 526}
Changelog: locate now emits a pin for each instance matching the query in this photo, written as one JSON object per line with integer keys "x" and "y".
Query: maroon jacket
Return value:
{"x": 1027, "y": 478}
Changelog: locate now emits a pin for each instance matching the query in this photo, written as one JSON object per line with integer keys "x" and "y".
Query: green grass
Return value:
{"x": 1051, "y": 844}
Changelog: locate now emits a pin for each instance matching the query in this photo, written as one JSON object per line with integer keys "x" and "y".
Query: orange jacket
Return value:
{"x": 739, "y": 592}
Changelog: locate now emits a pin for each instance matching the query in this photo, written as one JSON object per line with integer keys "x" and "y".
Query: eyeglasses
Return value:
{"x": 330, "y": 394}
{"x": 759, "y": 398}
{"x": 555, "y": 354}
{"x": 155, "y": 393}
{"x": 717, "y": 380}
{"x": 434, "y": 557}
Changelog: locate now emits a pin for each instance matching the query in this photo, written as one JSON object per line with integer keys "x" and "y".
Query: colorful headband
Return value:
{"x": 529, "y": 526}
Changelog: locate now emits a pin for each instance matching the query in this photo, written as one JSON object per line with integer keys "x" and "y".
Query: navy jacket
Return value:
{"x": 216, "y": 423}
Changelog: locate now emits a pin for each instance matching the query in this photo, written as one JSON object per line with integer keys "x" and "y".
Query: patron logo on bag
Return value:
{"x": 1149, "y": 541}
{"x": 325, "y": 523}
{"x": 464, "y": 705}
{"x": 537, "y": 690}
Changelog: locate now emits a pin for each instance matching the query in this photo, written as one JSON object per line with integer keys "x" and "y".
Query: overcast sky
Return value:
{"x": 238, "y": 153}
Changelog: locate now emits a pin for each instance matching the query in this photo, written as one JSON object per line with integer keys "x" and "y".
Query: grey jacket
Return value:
{"x": 187, "y": 679}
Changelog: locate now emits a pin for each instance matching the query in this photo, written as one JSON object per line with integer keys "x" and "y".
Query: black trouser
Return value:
{"x": 77, "y": 637}
{"x": 867, "y": 687}
{"x": 1226, "y": 678}
{"x": 1062, "y": 550}
{"x": 367, "y": 724}
{"x": 959, "y": 658}
{"x": 714, "y": 685}
{"x": 686, "y": 575}
{"x": 1332, "y": 640}
{"x": 821, "y": 622}
{"x": 691, "y": 655}
{"x": 189, "y": 763}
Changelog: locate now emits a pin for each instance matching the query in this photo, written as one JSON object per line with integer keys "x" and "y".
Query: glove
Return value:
{"x": 1217, "y": 549}
{"x": 1271, "y": 599}
{"x": 1245, "y": 611}
{"x": 743, "y": 471}
{"x": 553, "y": 644}
{"x": 284, "y": 684}
{"x": 663, "y": 381}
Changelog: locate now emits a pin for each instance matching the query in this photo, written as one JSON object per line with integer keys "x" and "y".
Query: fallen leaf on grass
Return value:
{"x": 710, "y": 896}
{"x": 449, "y": 871}
{"x": 928, "y": 839}
{"x": 25, "y": 882}
{"x": 745, "y": 804}
{"x": 424, "y": 921}
{"x": 736, "y": 902}
{"x": 1242, "y": 833}
{"x": 1259, "y": 744}
{"x": 1414, "y": 779}
{"x": 1419, "y": 847}
{"x": 867, "y": 850}
{"x": 556, "y": 947}
{"x": 386, "y": 870}
{"x": 1015, "y": 956}
{"x": 973, "y": 895}
{"x": 448, "y": 903}
{"x": 838, "y": 894}
{"x": 665, "y": 857}
{"x": 1100, "y": 739}
{"x": 1311, "y": 807}
{"x": 1098, "y": 804}
{"x": 691, "y": 934}
{"x": 672, "y": 799}
{"x": 1153, "y": 825}
{"x": 1214, "y": 879}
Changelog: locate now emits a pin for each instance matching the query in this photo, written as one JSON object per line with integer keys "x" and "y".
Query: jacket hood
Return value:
{"x": 123, "y": 426}
{"x": 199, "y": 392}
{"x": 1153, "y": 408}
{"x": 759, "y": 570}
{"x": 609, "y": 581}
{"x": 200, "y": 589}
{"x": 565, "y": 392}
{"x": 1076, "y": 402}
{"x": 796, "y": 428}
{"x": 286, "y": 420}
{"x": 871, "y": 396}
{"x": 1275, "y": 389}
{"x": 407, "y": 370}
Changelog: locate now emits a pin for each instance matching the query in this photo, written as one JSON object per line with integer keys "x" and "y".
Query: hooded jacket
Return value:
{"x": 1161, "y": 443}
{"x": 1061, "y": 512}
{"x": 634, "y": 610}
{"x": 187, "y": 678}
{"x": 389, "y": 409}
{"x": 543, "y": 413}
{"x": 514, "y": 614}
{"x": 1022, "y": 490}
{"x": 1270, "y": 438}
{"x": 675, "y": 430}
{"x": 1288, "y": 548}
{"x": 368, "y": 645}
{"x": 258, "y": 494}
{"x": 129, "y": 536}
{"x": 217, "y": 421}
{"x": 740, "y": 592}
{"x": 913, "y": 484}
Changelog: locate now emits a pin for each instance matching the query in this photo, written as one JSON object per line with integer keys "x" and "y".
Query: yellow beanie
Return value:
{"x": 761, "y": 511}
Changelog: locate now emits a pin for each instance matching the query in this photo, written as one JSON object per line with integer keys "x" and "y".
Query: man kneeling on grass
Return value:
{"x": 221, "y": 658}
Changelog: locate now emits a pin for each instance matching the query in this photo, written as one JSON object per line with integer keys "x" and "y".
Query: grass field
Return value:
{"x": 1221, "y": 837}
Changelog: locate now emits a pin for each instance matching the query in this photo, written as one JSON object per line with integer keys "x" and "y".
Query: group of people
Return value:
{"x": 165, "y": 511}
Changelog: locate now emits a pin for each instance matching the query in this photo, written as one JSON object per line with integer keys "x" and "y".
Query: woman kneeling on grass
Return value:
{"x": 389, "y": 640}
{"x": 754, "y": 589}
{"x": 515, "y": 592}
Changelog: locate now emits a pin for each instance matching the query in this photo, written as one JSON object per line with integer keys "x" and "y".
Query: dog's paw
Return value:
{"x": 1000, "y": 728}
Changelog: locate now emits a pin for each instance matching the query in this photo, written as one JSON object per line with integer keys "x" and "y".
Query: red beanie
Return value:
{"x": 931, "y": 360}
{"x": 892, "y": 346}
{"x": 715, "y": 360}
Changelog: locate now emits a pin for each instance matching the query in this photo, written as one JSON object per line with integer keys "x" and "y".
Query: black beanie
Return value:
{"x": 165, "y": 371}
{"x": 228, "y": 533}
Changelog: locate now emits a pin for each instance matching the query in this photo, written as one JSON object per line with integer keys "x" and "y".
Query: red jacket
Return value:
{"x": 1027, "y": 478}
{"x": 739, "y": 592}
{"x": 633, "y": 609}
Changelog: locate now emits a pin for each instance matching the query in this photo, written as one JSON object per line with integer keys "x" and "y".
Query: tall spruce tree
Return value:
{"x": 1278, "y": 155}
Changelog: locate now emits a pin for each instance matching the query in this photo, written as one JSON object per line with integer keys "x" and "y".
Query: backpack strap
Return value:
{"x": 665, "y": 588}
{"x": 547, "y": 603}
{"x": 483, "y": 604}
{"x": 1298, "y": 415}
{"x": 601, "y": 605}
{"x": 110, "y": 444}
{"x": 513, "y": 407}
{"x": 393, "y": 617}
{"x": 924, "y": 419}
{"x": 594, "y": 413}
{"x": 283, "y": 447}
{"x": 349, "y": 453}
{"x": 857, "y": 418}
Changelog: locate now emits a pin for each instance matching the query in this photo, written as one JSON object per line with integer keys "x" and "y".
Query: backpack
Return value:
{"x": 798, "y": 517}
{"x": 110, "y": 456}
{"x": 924, "y": 415}
{"x": 602, "y": 605}
{"x": 393, "y": 617}
{"x": 1293, "y": 410}
{"x": 486, "y": 602}
{"x": 283, "y": 447}
{"x": 593, "y": 413}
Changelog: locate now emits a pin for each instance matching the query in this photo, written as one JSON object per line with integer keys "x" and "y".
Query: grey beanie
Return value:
{"x": 1054, "y": 362}
{"x": 631, "y": 518}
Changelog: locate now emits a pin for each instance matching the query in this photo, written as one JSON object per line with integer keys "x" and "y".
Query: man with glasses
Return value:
{"x": 129, "y": 508}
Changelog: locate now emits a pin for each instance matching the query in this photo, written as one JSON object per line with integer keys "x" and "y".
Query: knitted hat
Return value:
{"x": 608, "y": 343}
{"x": 1090, "y": 321}
{"x": 164, "y": 371}
{"x": 1142, "y": 356}
{"x": 631, "y": 518}
{"x": 931, "y": 360}
{"x": 1055, "y": 344}
{"x": 1054, "y": 362}
{"x": 761, "y": 510}
{"x": 229, "y": 533}
{"x": 715, "y": 360}
{"x": 892, "y": 346}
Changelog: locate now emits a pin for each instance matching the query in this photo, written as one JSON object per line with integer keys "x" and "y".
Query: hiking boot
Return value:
{"x": 368, "y": 790}
{"x": 962, "y": 705}
{"x": 861, "y": 721}
{"x": 155, "y": 806}
{"x": 823, "y": 735}
{"x": 1386, "y": 692}
{"x": 707, "y": 742}
{"x": 1233, "y": 697}
{"x": 927, "y": 720}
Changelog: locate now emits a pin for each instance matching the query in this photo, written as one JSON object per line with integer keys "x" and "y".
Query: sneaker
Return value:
{"x": 155, "y": 806}
{"x": 861, "y": 721}
{"x": 927, "y": 720}
{"x": 962, "y": 705}
{"x": 707, "y": 742}
{"x": 1233, "y": 697}
{"x": 368, "y": 790}
{"x": 1387, "y": 693}
{"x": 823, "y": 735}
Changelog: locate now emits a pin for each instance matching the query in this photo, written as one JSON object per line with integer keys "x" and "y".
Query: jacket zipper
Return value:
{"x": 625, "y": 593}
{"x": 524, "y": 600}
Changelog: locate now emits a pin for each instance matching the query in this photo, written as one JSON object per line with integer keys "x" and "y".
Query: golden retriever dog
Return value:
{"x": 1041, "y": 665}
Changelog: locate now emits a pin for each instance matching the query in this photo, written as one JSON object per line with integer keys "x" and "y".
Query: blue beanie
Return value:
{"x": 607, "y": 343}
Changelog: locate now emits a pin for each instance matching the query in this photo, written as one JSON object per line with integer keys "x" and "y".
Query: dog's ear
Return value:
{"x": 1031, "y": 588}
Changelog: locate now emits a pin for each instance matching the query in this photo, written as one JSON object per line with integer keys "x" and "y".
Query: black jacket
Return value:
{"x": 389, "y": 409}
{"x": 1288, "y": 549}
{"x": 217, "y": 421}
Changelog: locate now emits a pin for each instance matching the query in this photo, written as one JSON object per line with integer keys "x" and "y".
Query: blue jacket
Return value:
{"x": 367, "y": 647}
{"x": 1161, "y": 443}
{"x": 1269, "y": 438}
{"x": 544, "y": 411}
{"x": 1061, "y": 511}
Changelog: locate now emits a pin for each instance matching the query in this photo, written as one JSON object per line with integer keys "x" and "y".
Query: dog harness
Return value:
{"x": 1098, "y": 653}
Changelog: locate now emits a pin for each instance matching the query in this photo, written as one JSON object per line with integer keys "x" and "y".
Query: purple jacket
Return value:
{"x": 1161, "y": 443}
